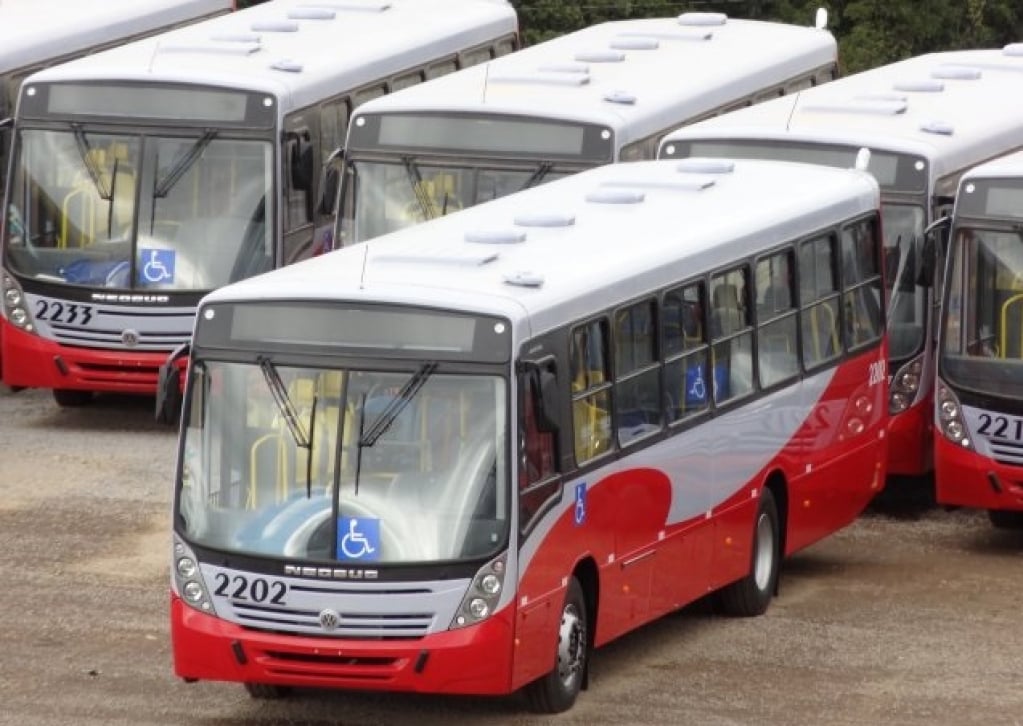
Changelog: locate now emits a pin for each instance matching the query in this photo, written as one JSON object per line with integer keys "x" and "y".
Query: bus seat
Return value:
{"x": 726, "y": 315}
{"x": 592, "y": 434}
{"x": 824, "y": 332}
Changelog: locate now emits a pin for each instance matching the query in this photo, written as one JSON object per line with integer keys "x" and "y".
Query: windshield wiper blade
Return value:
{"x": 396, "y": 405}
{"x": 416, "y": 180}
{"x": 183, "y": 164}
{"x": 284, "y": 403}
{"x": 537, "y": 176}
{"x": 85, "y": 151}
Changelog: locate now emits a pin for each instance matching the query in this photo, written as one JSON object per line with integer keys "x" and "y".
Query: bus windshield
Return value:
{"x": 392, "y": 195}
{"x": 351, "y": 465}
{"x": 170, "y": 213}
{"x": 903, "y": 234}
{"x": 982, "y": 347}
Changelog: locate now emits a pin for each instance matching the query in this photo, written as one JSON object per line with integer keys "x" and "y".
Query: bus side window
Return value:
{"x": 638, "y": 402}
{"x": 818, "y": 298}
{"x": 686, "y": 353}
{"x": 777, "y": 339}
{"x": 591, "y": 395}
{"x": 731, "y": 335}
{"x": 538, "y": 482}
{"x": 861, "y": 283}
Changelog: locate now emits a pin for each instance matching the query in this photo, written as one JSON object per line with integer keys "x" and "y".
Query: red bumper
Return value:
{"x": 33, "y": 362}
{"x": 964, "y": 478}
{"x": 473, "y": 660}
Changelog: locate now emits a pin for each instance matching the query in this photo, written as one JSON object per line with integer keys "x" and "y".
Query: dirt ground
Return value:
{"x": 911, "y": 616}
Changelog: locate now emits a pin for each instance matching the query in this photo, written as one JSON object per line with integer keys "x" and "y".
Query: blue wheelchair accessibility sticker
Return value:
{"x": 156, "y": 266}
{"x": 580, "y": 503}
{"x": 358, "y": 538}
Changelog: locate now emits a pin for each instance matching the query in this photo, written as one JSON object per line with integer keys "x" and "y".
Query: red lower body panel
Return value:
{"x": 911, "y": 441}
{"x": 33, "y": 362}
{"x": 966, "y": 479}
{"x": 473, "y": 660}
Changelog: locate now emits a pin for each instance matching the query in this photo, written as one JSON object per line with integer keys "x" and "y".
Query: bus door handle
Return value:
{"x": 638, "y": 558}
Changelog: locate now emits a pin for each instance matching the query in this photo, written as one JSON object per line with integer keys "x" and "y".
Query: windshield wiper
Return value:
{"x": 396, "y": 405}
{"x": 85, "y": 151}
{"x": 290, "y": 414}
{"x": 537, "y": 176}
{"x": 416, "y": 180}
{"x": 184, "y": 162}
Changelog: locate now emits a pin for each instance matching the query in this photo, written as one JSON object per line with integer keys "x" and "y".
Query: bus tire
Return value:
{"x": 70, "y": 398}
{"x": 752, "y": 594}
{"x": 1005, "y": 519}
{"x": 266, "y": 691}
{"x": 557, "y": 691}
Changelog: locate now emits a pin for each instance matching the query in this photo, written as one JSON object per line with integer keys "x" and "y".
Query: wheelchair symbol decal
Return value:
{"x": 358, "y": 538}
{"x": 156, "y": 266}
{"x": 579, "y": 515}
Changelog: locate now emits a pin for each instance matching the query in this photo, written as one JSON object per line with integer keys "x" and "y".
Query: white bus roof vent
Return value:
{"x": 236, "y": 38}
{"x": 1013, "y": 49}
{"x": 634, "y": 42}
{"x": 702, "y": 19}
{"x": 697, "y": 165}
{"x": 524, "y": 278}
{"x": 287, "y": 65}
{"x": 684, "y": 35}
{"x": 545, "y": 219}
{"x": 953, "y": 72}
{"x": 882, "y": 97}
{"x": 923, "y": 85}
{"x": 215, "y": 47}
{"x": 866, "y": 106}
{"x": 495, "y": 236}
{"x": 552, "y": 78}
{"x": 440, "y": 256}
{"x": 564, "y": 68}
{"x": 623, "y": 97}
{"x": 599, "y": 56}
{"x": 274, "y": 26}
{"x": 369, "y": 6}
{"x": 615, "y": 195}
{"x": 311, "y": 13}
{"x": 942, "y": 128}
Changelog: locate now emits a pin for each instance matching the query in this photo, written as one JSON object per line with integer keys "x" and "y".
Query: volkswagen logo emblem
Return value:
{"x": 130, "y": 337}
{"x": 329, "y": 620}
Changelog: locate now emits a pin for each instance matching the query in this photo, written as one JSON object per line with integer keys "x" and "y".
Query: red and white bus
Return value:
{"x": 979, "y": 390}
{"x": 926, "y": 120}
{"x": 151, "y": 173}
{"x": 459, "y": 457}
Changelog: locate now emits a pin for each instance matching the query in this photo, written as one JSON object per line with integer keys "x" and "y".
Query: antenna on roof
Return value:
{"x": 486, "y": 80}
{"x": 365, "y": 257}
{"x": 792, "y": 111}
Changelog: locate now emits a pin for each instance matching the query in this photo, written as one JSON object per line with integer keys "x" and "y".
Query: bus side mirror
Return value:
{"x": 169, "y": 386}
{"x": 547, "y": 408}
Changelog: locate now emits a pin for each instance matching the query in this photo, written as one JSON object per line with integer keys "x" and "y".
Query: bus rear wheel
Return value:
{"x": 1005, "y": 519}
{"x": 558, "y": 690}
{"x": 266, "y": 691}
{"x": 752, "y": 594}
{"x": 70, "y": 398}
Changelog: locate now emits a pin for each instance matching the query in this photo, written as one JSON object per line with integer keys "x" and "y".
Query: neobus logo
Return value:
{"x": 115, "y": 297}
{"x": 331, "y": 573}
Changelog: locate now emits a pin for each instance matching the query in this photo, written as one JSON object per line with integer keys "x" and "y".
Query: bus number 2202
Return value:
{"x": 257, "y": 589}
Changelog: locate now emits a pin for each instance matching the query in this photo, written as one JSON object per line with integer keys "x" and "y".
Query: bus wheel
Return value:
{"x": 267, "y": 692}
{"x": 751, "y": 595}
{"x": 1003, "y": 519}
{"x": 557, "y": 691}
{"x": 68, "y": 398}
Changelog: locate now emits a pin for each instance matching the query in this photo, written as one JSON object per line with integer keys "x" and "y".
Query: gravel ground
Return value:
{"x": 910, "y": 616}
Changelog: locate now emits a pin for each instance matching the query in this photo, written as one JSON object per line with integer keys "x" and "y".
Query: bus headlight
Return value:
{"x": 483, "y": 594}
{"x": 950, "y": 417}
{"x": 186, "y": 578}
{"x": 905, "y": 385}
{"x": 15, "y": 307}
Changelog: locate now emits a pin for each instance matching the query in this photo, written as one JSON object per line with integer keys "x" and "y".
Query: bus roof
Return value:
{"x": 1008, "y": 166}
{"x": 33, "y": 31}
{"x": 299, "y": 51}
{"x": 955, "y": 109}
{"x": 580, "y": 243}
{"x": 641, "y": 75}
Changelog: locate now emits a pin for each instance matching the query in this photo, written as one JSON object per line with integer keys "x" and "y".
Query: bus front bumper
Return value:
{"x": 963, "y": 478}
{"x": 33, "y": 362}
{"x": 471, "y": 660}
